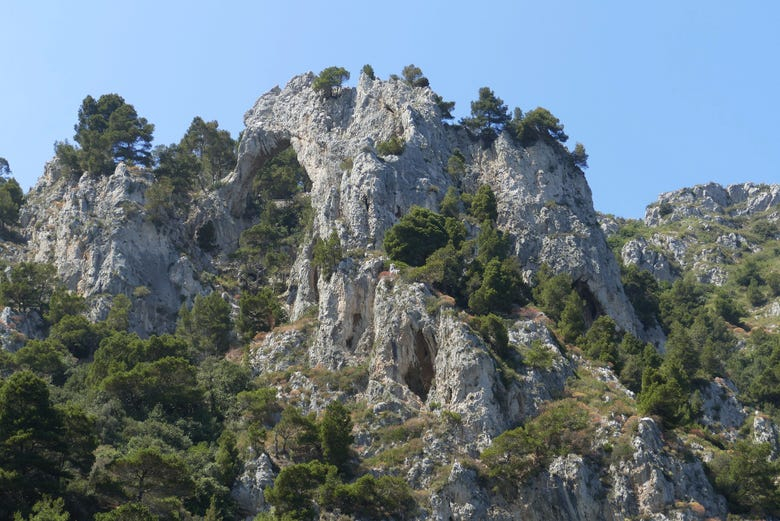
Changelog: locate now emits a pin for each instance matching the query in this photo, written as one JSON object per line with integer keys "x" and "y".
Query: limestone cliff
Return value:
{"x": 95, "y": 231}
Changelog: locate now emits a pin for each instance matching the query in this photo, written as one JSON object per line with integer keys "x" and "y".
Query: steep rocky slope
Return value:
{"x": 95, "y": 231}
{"x": 428, "y": 393}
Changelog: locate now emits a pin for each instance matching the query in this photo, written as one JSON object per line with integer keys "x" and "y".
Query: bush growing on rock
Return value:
{"x": 418, "y": 234}
{"x": 329, "y": 81}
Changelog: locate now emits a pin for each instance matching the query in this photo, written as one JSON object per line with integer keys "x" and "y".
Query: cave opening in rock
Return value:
{"x": 420, "y": 372}
{"x": 593, "y": 308}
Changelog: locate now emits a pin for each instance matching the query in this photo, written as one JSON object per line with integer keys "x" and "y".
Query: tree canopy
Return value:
{"x": 108, "y": 130}
{"x": 489, "y": 115}
{"x": 329, "y": 81}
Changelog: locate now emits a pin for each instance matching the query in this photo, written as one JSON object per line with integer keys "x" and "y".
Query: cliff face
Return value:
{"x": 95, "y": 231}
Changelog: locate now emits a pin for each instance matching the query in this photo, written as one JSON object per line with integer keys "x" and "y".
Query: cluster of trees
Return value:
{"x": 11, "y": 196}
{"x": 490, "y": 116}
{"x": 96, "y": 422}
{"x": 108, "y": 131}
{"x": 479, "y": 272}
{"x": 281, "y": 204}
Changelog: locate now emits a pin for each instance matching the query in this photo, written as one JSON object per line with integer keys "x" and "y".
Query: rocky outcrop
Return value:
{"x": 94, "y": 230}
{"x": 544, "y": 201}
{"x": 713, "y": 201}
{"x": 639, "y": 253}
{"x": 258, "y": 474}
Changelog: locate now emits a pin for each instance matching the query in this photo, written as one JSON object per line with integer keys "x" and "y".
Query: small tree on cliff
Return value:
{"x": 329, "y": 81}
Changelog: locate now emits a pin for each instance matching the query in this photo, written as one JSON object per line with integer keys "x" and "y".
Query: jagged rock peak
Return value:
{"x": 544, "y": 201}
{"x": 712, "y": 199}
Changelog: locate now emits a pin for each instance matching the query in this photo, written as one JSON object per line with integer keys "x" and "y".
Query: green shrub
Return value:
{"x": 327, "y": 254}
{"x": 368, "y": 70}
{"x": 748, "y": 478}
{"x": 418, "y": 234}
{"x": 391, "y": 147}
{"x": 483, "y": 205}
{"x": 492, "y": 329}
{"x": 259, "y": 312}
{"x": 562, "y": 428}
{"x": 329, "y": 81}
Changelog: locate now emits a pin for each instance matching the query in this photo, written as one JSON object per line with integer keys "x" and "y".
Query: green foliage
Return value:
{"x": 445, "y": 107}
{"x": 47, "y": 509}
{"x": 754, "y": 294}
{"x": 210, "y": 150}
{"x": 746, "y": 475}
{"x": 418, "y": 234}
{"x": 295, "y": 489}
{"x": 571, "y": 324}
{"x": 456, "y": 164}
{"x": 551, "y": 291}
{"x": 539, "y": 124}
{"x": 489, "y": 115}
{"x": 168, "y": 382}
{"x": 517, "y": 454}
{"x": 77, "y": 334}
{"x": 451, "y": 204}
{"x": 11, "y": 198}
{"x": 109, "y": 131}
{"x": 267, "y": 249}
{"x": 483, "y": 205}
{"x": 299, "y": 436}
{"x": 579, "y": 156}
{"x": 663, "y": 395}
{"x": 128, "y": 512}
{"x": 444, "y": 271}
{"x": 5, "y": 168}
{"x": 368, "y": 70}
{"x": 259, "y": 405}
{"x": 148, "y": 476}
{"x": 45, "y": 358}
{"x": 259, "y": 312}
{"x": 601, "y": 340}
{"x": 386, "y": 497}
{"x": 413, "y": 75}
{"x": 160, "y": 201}
{"x": 679, "y": 302}
{"x": 756, "y": 369}
{"x": 335, "y": 432}
{"x": 281, "y": 177}
{"x": 643, "y": 290}
{"x": 327, "y": 254}
{"x": 28, "y": 286}
{"x": 390, "y": 147}
{"x": 207, "y": 326}
{"x": 63, "y": 302}
{"x": 118, "y": 318}
{"x": 501, "y": 286}
{"x": 329, "y": 81}
{"x": 538, "y": 356}
{"x": 492, "y": 329}
{"x": 34, "y": 444}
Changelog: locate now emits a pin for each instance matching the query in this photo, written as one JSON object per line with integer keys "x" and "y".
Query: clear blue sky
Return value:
{"x": 663, "y": 94}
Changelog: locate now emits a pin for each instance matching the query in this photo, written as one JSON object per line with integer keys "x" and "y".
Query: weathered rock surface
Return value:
{"x": 94, "y": 230}
{"x": 639, "y": 253}
{"x": 544, "y": 201}
{"x": 713, "y": 201}
{"x": 258, "y": 474}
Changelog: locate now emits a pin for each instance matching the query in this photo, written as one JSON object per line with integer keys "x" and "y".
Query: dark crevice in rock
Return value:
{"x": 419, "y": 375}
